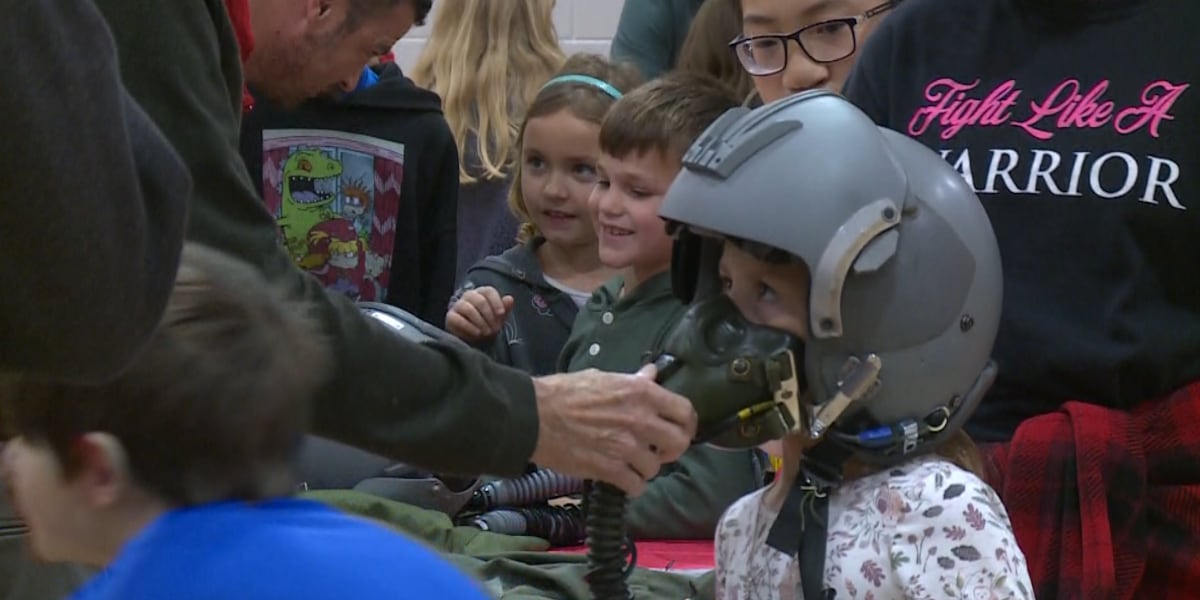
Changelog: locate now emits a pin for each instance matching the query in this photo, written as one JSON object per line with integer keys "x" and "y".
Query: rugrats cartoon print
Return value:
{"x": 335, "y": 197}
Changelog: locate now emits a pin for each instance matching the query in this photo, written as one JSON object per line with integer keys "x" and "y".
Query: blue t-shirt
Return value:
{"x": 283, "y": 549}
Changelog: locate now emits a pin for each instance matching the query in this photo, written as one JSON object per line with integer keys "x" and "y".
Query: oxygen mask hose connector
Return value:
{"x": 611, "y": 554}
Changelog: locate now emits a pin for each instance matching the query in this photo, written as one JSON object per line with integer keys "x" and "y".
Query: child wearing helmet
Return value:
{"x": 802, "y": 221}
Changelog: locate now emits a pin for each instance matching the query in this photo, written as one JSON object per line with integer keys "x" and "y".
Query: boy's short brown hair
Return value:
{"x": 213, "y": 408}
{"x": 665, "y": 115}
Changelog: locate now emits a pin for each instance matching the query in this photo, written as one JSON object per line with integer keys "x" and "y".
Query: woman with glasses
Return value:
{"x": 789, "y": 46}
{"x": 1078, "y": 124}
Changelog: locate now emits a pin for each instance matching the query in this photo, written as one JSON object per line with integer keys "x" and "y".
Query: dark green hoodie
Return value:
{"x": 426, "y": 406}
{"x": 541, "y": 317}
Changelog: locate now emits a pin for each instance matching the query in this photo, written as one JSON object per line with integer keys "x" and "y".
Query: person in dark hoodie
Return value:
{"x": 519, "y": 306}
{"x": 363, "y": 183}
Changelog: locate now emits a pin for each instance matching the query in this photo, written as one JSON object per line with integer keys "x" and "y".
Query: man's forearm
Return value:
{"x": 95, "y": 199}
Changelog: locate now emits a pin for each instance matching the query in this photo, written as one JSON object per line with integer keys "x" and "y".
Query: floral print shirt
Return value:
{"x": 925, "y": 530}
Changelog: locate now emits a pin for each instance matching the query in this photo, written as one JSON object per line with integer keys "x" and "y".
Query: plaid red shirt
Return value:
{"x": 1106, "y": 503}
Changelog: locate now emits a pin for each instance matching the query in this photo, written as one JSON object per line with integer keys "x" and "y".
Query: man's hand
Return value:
{"x": 478, "y": 315}
{"x": 620, "y": 429}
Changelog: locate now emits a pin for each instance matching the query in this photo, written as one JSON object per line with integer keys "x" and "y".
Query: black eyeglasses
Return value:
{"x": 824, "y": 42}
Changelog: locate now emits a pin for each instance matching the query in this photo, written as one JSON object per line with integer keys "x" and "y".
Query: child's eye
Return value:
{"x": 765, "y": 292}
{"x": 602, "y": 183}
{"x": 535, "y": 162}
{"x": 585, "y": 172}
{"x": 639, "y": 193}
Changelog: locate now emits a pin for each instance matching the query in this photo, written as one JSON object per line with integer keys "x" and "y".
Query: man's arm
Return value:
{"x": 94, "y": 199}
{"x": 642, "y": 37}
{"x": 425, "y": 405}
{"x": 439, "y": 245}
{"x": 439, "y": 406}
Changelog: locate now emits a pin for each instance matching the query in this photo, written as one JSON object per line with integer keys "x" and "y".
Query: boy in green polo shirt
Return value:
{"x": 642, "y": 142}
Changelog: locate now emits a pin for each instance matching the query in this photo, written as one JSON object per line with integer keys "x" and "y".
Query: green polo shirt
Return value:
{"x": 620, "y": 334}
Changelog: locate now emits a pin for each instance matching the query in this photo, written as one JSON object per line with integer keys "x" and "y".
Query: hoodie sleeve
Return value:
{"x": 439, "y": 243}
{"x": 94, "y": 199}
{"x": 425, "y": 405}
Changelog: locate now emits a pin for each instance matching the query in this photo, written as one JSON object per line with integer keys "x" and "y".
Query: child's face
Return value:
{"x": 558, "y": 172}
{"x": 775, "y": 295}
{"x": 44, "y": 498}
{"x": 781, "y": 17}
{"x": 625, "y": 203}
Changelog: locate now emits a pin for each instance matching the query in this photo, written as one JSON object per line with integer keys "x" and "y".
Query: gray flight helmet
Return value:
{"x": 904, "y": 264}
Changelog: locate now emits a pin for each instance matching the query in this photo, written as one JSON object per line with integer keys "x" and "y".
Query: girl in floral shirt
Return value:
{"x": 879, "y": 261}
{"x": 928, "y": 528}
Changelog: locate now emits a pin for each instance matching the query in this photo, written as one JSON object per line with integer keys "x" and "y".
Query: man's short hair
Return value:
{"x": 665, "y": 115}
{"x": 214, "y": 408}
{"x": 360, "y": 11}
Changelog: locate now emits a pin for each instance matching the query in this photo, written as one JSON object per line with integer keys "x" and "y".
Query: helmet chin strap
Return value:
{"x": 802, "y": 526}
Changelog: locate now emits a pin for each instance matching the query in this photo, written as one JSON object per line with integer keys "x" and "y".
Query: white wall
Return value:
{"x": 583, "y": 26}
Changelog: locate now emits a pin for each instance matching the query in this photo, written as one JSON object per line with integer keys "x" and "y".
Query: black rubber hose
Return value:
{"x": 611, "y": 555}
{"x": 527, "y": 489}
{"x": 559, "y": 525}
{"x": 506, "y": 520}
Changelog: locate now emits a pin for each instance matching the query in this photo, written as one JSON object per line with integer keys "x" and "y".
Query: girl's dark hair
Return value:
{"x": 706, "y": 48}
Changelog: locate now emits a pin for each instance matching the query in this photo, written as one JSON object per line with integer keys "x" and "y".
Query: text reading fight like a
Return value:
{"x": 952, "y": 107}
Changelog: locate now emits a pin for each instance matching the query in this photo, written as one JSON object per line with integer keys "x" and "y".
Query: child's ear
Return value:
{"x": 316, "y": 10}
{"x": 104, "y": 475}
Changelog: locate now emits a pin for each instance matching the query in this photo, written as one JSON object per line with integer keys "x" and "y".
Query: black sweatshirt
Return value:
{"x": 428, "y": 406}
{"x": 382, "y": 224}
{"x": 1078, "y": 123}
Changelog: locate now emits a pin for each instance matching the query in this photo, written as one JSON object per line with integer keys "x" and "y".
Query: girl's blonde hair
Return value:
{"x": 487, "y": 59}
{"x": 586, "y": 100}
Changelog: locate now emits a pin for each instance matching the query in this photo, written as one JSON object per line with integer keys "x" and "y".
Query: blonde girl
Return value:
{"x": 487, "y": 59}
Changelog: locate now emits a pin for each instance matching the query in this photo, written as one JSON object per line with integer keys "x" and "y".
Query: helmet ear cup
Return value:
{"x": 694, "y": 266}
{"x": 685, "y": 264}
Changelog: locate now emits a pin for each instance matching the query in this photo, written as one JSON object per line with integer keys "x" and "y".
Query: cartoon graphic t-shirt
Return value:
{"x": 335, "y": 197}
{"x": 1082, "y": 139}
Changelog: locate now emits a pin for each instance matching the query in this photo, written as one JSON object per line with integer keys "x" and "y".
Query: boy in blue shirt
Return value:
{"x": 174, "y": 477}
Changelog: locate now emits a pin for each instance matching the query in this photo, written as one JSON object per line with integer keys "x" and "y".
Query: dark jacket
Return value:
{"x": 486, "y": 226}
{"x": 94, "y": 199}
{"x": 428, "y": 406}
{"x": 541, "y": 317}
{"x": 392, "y": 172}
{"x": 92, "y": 219}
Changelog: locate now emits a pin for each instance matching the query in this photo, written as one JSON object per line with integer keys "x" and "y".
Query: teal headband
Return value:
{"x": 602, "y": 85}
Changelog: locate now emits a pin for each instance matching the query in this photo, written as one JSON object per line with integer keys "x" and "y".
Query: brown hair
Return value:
{"x": 958, "y": 449}
{"x": 212, "y": 409}
{"x": 665, "y": 115}
{"x": 585, "y": 101}
{"x": 706, "y": 48}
